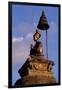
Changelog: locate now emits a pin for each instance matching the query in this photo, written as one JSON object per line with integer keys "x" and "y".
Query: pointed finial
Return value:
{"x": 43, "y": 14}
{"x": 43, "y": 24}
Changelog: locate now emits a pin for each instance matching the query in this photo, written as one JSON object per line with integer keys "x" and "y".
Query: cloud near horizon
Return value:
{"x": 20, "y": 39}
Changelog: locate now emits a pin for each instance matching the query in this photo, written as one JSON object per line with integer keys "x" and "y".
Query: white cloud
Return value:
{"x": 19, "y": 39}
{"x": 29, "y": 35}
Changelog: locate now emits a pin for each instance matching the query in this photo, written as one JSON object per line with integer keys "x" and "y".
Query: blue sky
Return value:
{"x": 24, "y": 21}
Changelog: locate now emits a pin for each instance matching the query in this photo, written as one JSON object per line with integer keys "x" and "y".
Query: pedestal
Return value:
{"x": 35, "y": 72}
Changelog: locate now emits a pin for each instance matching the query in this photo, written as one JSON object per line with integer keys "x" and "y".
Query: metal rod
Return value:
{"x": 46, "y": 46}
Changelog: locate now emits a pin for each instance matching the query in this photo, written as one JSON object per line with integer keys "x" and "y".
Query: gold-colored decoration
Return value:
{"x": 39, "y": 49}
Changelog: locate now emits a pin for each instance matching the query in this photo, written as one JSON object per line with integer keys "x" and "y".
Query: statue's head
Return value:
{"x": 37, "y": 35}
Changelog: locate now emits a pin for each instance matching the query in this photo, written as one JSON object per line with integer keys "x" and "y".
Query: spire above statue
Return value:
{"x": 43, "y": 24}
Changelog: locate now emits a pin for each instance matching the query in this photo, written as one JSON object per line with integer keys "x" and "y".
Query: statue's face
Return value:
{"x": 36, "y": 36}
